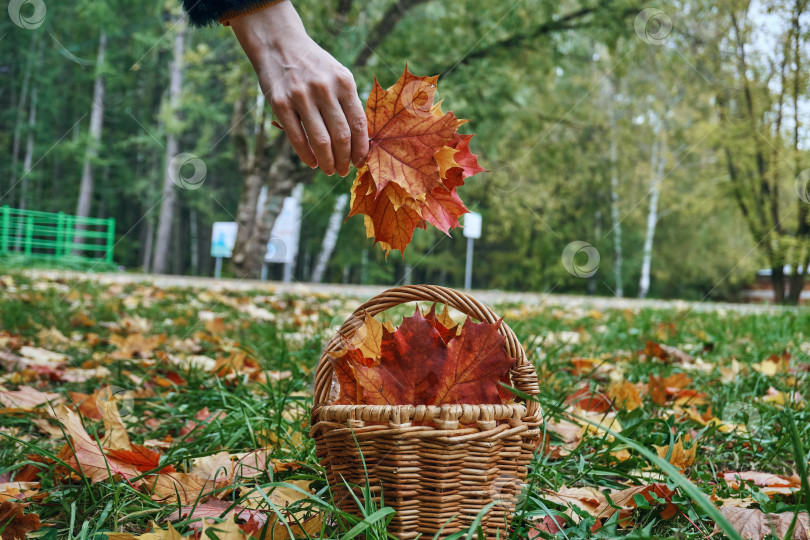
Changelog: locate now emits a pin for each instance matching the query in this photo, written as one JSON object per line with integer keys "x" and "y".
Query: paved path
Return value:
{"x": 367, "y": 291}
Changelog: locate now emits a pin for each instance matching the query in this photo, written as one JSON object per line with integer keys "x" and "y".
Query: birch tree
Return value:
{"x": 94, "y": 137}
{"x": 160, "y": 261}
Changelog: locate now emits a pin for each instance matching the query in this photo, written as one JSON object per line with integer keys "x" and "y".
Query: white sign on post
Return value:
{"x": 223, "y": 238}
{"x": 472, "y": 225}
{"x": 283, "y": 244}
{"x": 472, "y": 230}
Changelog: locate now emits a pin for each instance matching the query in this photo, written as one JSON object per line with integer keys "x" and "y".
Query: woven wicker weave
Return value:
{"x": 436, "y": 466}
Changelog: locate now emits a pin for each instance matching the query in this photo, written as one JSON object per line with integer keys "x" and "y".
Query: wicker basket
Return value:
{"x": 436, "y": 466}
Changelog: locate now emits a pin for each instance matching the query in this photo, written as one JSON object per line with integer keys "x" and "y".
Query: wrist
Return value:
{"x": 271, "y": 27}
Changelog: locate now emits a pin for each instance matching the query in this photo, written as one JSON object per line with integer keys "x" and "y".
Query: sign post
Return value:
{"x": 223, "y": 238}
{"x": 472, "y": 230}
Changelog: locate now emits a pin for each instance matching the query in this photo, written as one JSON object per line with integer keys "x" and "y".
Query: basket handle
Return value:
{"x": 524, "y": 377}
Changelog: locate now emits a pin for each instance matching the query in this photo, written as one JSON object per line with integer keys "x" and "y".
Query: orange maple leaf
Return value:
{"x": 389, "y": 224}
{"x": 415, "y": 163}
{"x": 405, "y": 133}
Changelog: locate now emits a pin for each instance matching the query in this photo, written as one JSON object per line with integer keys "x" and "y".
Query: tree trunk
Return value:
{"x": 593, "y": 281}
{"x": 797, "y": 284}
{"x": 253, "y": 165}
{"x": 160, "y": 262}
{"x": 614, "y": 191}
{"x": 21, "y": 104}
{"x": 29, "y": 148}
{"x": 802, "y": 259}
{"x": 778, "y": 283}
{"x": 96, "y": 122}
{"x": 657, "y": 169}
{"x": 282, "y": 177}
{"x": 193, "y": 243}
{"x": 330, "y": 238}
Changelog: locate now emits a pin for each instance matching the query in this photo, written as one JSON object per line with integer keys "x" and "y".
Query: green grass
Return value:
{"x": 275, "y": 413}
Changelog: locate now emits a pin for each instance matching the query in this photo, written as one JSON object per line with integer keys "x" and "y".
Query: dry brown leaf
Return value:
{"x": 773, "y": 365}
{"x": 15, "y": 524}
{"x": 226, "y": 466}
{"x": 156, "y": 534}
{"x": 115, "y": 434}
{"x": 569, "y": 432}
{"x": 624, "y": 395}
{"x": 624, "y": 499}
{"x": 86, "y": 454}
{"x": 681, "y": 457}
{"x": 677, "y": 355}
{"x": 770, "y": 484}
{"x": 185, "y": 488}
{"x": 658, "y": 393}
{"x": 224, "y": 530}
{"x": 135, "y": 345}
{"x": 28, "y": 398}
{"x": 586, "y": 498}
{"x": 753, "y": 524}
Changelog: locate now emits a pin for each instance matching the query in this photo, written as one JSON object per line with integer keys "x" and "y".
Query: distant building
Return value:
{"x": 761, "y": 291}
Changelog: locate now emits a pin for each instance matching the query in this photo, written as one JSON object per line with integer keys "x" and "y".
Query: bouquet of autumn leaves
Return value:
{"x": 428, "y": 360}
{"x": 416, "y": 161}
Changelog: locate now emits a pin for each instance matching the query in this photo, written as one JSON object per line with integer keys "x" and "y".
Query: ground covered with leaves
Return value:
{"x": 129, "y": 411}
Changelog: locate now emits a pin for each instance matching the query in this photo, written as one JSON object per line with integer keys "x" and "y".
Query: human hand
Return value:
{"x": 313, "y": 96}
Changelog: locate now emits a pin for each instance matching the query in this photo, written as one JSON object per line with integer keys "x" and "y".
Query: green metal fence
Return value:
{"x": 44, "y": 235}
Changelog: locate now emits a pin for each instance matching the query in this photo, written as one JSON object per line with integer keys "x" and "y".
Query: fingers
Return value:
{"x": 339, "y": 133}
{"x": 334, "y": 131}
{"x": 318, "y": 135}
{"x": 291, "y": 123}
{"x": 356, "y": 118}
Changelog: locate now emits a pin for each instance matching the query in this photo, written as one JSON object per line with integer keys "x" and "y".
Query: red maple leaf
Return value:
{"x": 467, "y": 161}
{"x": 427, "y": 362}
{"x": 141, "y": 457}
{"x": 410, "y": 360}
{"x": 476, "y": 361}
{"x": 446, "y": 332}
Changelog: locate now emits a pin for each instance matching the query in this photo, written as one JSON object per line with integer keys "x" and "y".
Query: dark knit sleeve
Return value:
{"x": 209, "y": 12}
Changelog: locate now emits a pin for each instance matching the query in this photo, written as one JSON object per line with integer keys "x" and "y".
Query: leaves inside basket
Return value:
{"x": 428, "y": 360}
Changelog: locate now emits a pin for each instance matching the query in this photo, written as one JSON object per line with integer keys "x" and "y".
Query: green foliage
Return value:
{"x": 532, "y": 80}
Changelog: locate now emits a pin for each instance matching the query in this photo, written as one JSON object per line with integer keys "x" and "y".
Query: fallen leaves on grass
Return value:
{"x": 15, "y": 524}
{"x": 596, "y": 503}
{"x": 156, "y": 534}
{"x": 681, "y": 457}
{"x": 28, "y": 398}
{"x": 754, "y": 524}
{"x": 770, "y": 484}
{"x": 86, "y": 454}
